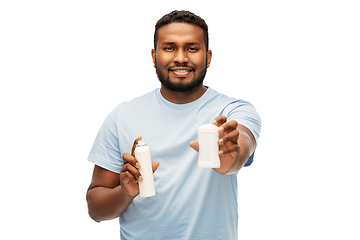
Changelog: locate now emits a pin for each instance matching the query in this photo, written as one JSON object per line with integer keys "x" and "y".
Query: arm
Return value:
{"x": 110, "y": 194}
{"x": 236, "y": 145}
{"x": 105, "y": 196}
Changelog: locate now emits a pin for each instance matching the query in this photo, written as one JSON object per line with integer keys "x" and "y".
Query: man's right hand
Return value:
{"x": 129, "y": 173}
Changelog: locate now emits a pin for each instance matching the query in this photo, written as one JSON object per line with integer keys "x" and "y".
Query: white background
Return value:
{"x": 64, "y": 65}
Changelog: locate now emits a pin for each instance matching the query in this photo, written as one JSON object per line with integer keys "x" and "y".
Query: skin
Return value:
{"x": 181, "y": 47}
{"x": 181, "y": 59}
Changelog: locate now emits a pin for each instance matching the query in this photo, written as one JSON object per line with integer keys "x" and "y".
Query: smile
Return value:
{"x": 180, "y": 72}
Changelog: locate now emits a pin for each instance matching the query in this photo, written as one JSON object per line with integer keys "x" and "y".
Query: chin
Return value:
{"x": 179, "y": 85}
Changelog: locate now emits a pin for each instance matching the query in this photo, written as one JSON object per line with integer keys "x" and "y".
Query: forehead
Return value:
{"x": 180, "y": 33}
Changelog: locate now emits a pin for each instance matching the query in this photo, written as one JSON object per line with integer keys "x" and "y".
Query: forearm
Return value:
{"x": 106, "y": 203}
{"x": 245, "y": 153}
{"x": 247, "y": 144}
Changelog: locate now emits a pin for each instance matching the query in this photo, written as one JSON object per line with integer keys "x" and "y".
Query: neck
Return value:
{"x": 182, "y": 97}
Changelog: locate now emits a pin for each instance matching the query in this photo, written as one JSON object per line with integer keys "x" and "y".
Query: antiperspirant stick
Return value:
{"x": 208, "y": 136}
{"x": 147, "y": 185}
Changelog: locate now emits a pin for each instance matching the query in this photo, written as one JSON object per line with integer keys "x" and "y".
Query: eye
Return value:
{"x": 168, "y": 49}
{"x": 192, "y": 49}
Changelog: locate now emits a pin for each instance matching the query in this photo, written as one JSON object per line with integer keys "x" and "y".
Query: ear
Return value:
{"x": 153, "y": 55}
{"x": 209, "y": 55}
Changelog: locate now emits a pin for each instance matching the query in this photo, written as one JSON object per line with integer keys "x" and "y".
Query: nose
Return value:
{"x": 181, "y": 56}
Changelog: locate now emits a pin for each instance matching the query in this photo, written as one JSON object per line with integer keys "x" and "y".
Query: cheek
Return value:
{"x": 163, "y": 60}
{"x": 200, "y": 61}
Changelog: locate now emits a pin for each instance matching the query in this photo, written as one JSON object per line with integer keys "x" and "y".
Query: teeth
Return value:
{"x": 181, "y": 70}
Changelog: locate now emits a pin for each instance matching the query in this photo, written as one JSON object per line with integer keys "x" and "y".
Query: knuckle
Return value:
{"x": 225, "y": 150}
{"x": 220, "y": 119}
{"x": 123, "y": 168}
{"x": 233, "y": 123}
{"x": 125, "y": 157}
{"x": 129, "y": 176}
{"x": 236, "y": 133}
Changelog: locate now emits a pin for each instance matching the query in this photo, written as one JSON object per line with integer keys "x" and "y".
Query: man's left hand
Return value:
{"x": 229, "y": 150}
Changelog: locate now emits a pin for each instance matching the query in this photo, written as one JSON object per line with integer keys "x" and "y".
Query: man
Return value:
{"x": 190, "y": 202}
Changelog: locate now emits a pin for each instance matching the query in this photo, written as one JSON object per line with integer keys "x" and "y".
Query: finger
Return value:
{"x": 228, "y": 126}
{"x": 126, "y": 178}
{"x": 232, "y": 136}
{"x": 132, "y": 170}
{"x": 219, "y": 120}
{"x": 155, "y": 165}
{"x": 230, "y": 149}
{"x": 194, "y": 145}
{"x": 134, "y": 145}
{"x": 127, "y": 158}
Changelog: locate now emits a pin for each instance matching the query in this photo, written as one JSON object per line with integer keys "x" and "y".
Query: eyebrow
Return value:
{"x": 172, "y": 43}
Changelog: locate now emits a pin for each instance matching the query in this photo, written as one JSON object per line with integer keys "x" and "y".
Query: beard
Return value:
{"x": 180, "y": 86}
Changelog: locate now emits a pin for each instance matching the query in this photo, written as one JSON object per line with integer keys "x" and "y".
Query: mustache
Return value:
{"x": 181, "y": 66}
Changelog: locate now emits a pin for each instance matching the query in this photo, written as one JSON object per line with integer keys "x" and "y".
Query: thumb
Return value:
{"x": 195, "y": 145}
{"x": 155, "y": 165}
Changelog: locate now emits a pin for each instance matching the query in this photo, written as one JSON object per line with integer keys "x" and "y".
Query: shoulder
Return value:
{"x": 213, "y": 94}
{"x": 150, "y": 96}
{"x": 137, "y": 102}
{"x": 240, "y": 110}
{"x": 227, "y": 102}
{"x": 129, "y": 108}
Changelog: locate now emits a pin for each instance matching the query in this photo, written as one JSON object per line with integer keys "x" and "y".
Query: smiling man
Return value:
{"x": 181, "y": 57}
{"x": 190, "y": 202}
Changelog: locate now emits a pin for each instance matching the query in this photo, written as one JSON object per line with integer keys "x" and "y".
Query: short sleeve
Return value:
{"x": 245, "y": 114}
{"x": 105, "y": 152}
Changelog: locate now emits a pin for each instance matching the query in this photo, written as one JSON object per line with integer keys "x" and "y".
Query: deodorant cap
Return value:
{"x": 208, "y": 128}
{"x": 141, "y": 143}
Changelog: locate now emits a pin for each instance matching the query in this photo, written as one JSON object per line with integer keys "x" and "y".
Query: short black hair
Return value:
{"x": 182, "y": 17}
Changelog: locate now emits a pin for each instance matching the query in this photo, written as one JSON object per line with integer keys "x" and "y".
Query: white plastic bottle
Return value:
{"x": 208, "y": 136}
{"x": 147, "y": 185}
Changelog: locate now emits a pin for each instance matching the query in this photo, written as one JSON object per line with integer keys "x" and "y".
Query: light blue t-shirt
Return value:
{"x": 190, "y": 202}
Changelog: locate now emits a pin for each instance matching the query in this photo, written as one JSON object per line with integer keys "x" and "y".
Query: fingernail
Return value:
{"x": 221, "y": 152}
{"x": 221, "y": 129}
{"x": 221, "y": 141}
{"x": 137, "y": 165}
{"x": 214, "y": 122}
{"x": 140, "y": 178}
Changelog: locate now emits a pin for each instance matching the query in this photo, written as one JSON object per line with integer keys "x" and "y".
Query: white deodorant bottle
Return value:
{"x": 208, "y": 136}
{"x": 147, "y": 185}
